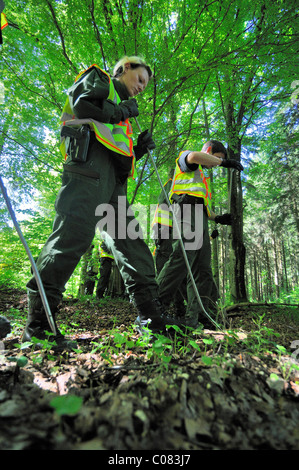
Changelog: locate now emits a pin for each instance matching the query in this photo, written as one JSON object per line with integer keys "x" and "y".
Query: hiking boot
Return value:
{"x": 152, "y": 317}
{"x": 37, "y": 326}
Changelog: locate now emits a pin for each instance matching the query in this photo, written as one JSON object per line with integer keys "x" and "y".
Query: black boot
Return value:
{"x": 153, "y": 317}
{"x": 37, "y": 325}
{"x": 5, "y": 327}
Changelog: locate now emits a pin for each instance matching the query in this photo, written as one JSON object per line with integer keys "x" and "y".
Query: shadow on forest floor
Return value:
{"x": 214, "y": 390}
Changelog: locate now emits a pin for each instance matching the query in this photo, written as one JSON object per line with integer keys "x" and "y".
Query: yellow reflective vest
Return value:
{"x": 193, "y": 183}
{"x": 116, "y": 137}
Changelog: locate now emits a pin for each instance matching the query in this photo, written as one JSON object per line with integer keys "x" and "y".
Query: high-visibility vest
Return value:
{"x": 116, "y": 137}
{"x": 163, "y": 215}
{"x": 193, "y": 183}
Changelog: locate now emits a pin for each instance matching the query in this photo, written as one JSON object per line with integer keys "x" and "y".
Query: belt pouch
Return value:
{"x": 77, "y": 142}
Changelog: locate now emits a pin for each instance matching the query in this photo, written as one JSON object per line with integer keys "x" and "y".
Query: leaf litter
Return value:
{"x": 118, "y": 397}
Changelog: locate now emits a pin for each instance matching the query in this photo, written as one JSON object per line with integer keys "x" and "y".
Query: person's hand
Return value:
{"x": 225, "y": 219}
{"x": 129, "y": 108}
{"x": 144, "y": 142}
{"x": 232, "y": 164}
{"x": 215, "y": 233}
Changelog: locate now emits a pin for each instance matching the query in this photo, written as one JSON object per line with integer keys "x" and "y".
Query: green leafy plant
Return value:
{"x": 66, "y": 405}
{"x": 21, "y": 361}
{"x": 286, "y": 366}
{"x": 161, "y": 349}
{"x": 207, "y": 360}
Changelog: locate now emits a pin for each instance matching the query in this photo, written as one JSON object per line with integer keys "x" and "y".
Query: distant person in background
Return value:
{"x": 100, "y": 272}
{"x": 92, "y": 269}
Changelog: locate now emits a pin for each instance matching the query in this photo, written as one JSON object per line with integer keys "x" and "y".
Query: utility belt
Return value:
{"x": 76, "y": 142}
{"x": 187, "y": 199}
{"x": 81, "y": 171}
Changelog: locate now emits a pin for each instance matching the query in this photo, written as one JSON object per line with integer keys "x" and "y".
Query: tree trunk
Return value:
{"x": 255, "y": 278}
{"x": 276, "y": 270}
{"x": 238, "y": 252}
{"x": 269, "y": 291}
{"x": 284, "y": 266}
{"x": 214, "y": 242}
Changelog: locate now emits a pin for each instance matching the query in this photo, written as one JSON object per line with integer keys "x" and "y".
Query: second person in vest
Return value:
{"x": 190, "y": 191}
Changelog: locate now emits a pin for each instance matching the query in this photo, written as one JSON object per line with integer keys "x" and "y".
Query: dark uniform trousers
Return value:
{"x": 74, "y": 229}
{"x": 162, "y": 254}
{"x": 198, "y": 253}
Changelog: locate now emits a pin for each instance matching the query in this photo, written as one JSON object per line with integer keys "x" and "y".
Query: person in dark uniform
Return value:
{"x": 106, "y": 260}
{"x": 91, "y": 266}
{"x": 99, "y": 157}
{"x": 191, "y": 198}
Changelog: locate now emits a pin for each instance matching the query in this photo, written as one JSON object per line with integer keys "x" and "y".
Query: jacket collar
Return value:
{"x": 121, "y": 90}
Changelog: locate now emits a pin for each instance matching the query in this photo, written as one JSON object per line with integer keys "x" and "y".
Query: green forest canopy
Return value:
{"x": 222, "y": 69}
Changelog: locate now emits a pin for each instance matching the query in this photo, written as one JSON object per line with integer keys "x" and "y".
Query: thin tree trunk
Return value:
{"x": 276, "y": 270}
{"x": 284, "y": 266}
{"x": 238, "y": 252}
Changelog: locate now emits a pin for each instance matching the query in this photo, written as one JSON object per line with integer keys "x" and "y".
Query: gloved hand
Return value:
{"x": 215, "y": 233}
{"x": 144, "y": 142}
{"x": 129, "y": 108}
{"x": 232, "y": 164}
{"x": 225, "y": 219}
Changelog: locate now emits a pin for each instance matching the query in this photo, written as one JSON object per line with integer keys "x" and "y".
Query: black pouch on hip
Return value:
{"x": 76, "y": 142}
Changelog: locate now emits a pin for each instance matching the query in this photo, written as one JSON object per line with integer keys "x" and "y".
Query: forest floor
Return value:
{"x": 233, "y": 389}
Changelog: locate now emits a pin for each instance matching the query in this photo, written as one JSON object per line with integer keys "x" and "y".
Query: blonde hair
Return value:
{"x": 134, "y": 61}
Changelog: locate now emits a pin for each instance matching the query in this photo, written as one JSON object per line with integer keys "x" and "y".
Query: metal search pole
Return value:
{"x": 180, "y": 236}
{"x": 34, "y": 268}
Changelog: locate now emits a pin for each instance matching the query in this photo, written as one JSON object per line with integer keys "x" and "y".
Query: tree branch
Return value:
{"x": 61, "y": 36}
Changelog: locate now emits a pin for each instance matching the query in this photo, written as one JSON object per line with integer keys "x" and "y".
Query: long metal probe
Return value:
{"x": 180, "y": 236}
{"x": 34, "y": 268}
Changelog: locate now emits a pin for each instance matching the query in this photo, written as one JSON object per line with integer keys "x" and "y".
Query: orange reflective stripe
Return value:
{"x": 128, "y": 132}
{"x": 93, "y": 65}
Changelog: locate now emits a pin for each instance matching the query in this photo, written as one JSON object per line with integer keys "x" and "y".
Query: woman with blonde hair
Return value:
{"x": 97, "y": 144}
